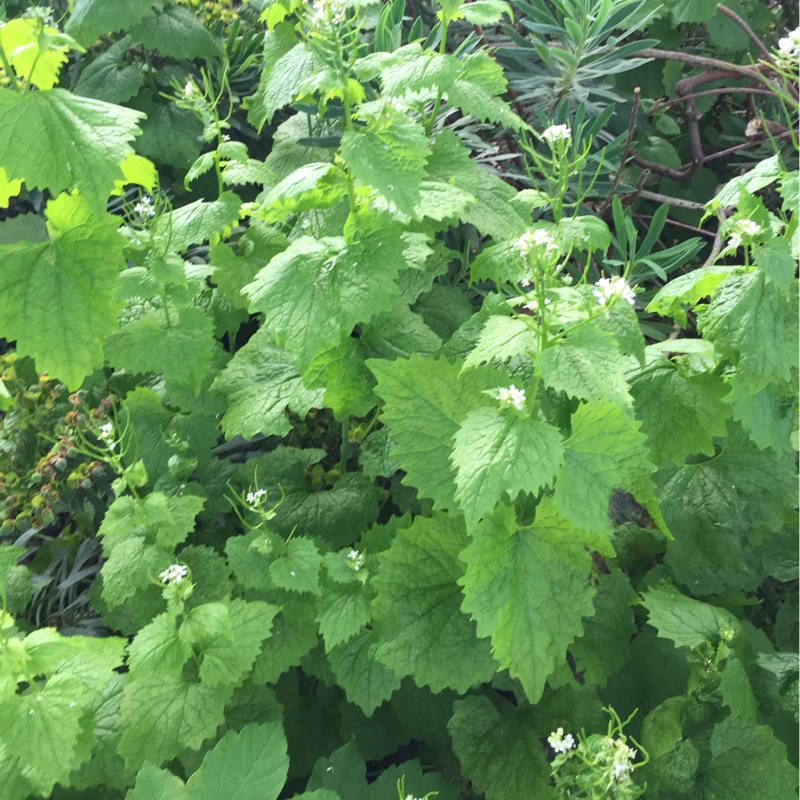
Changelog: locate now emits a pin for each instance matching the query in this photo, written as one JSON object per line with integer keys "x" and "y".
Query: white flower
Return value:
{"x": 623, "y": 756}
{"x": 174, "y": 573}
{"x": 559, "y": 742}
{"x": 106, "y": 434}
{"x": 511, "y": 397}
{"x": 327, "y": 12}
{"x": 225, "y": 137}
{"x": 741, "y": 229}
{"x": 534, "y": 304}
{"x": 356, "y": 560}
{"x": 531, "y": 240}
{"x": 790, "y": 45}
{"x": 190, "y": 90}
{"x": 254, "y": 498}
{"x": 556, "y": 133}
{"x": 145, "y": 208}
{"x": 608, "y": 288}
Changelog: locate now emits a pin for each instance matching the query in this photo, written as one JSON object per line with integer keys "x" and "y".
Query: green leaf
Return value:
{"x": 692, "y": 10}
{"x": 585, "y": 234}
{"x": 91, "y": 18}
{"x": 687, "y": 290}
{"x": 288, "y": 66}
{"x": 487, "y": 12}
{"x": 199, "y": 221}
{"x": 376, "y": 455}
{"x": 131, "y": 566}
{"x": 46, "y": 731}
{"x": 720, "y": 508}
{"x": 747, "y": 761}
{"x": 110, "y": 77}
{"x": 768, "y": 415}
{"x": 158, "y": 650}
{"x": 587, "y": 365}
{"x": 170, "y": 134}
{"x": 317, "y": 185}
{"x": 419, "y": 627}
{"x": 389, "y": 153}
{"x": 603, "y": 648}
{"x": 681, "y": 414}
{"x": 96, "y": 137}
{"x": 314, "y": 293}
{"x": 502, "y": 754}
{"x": 476, "y": 91}
{"x": 605, "y": 451}
{"x": 160, "y": 717}
{"x": 503, "y": 338}
{"x": 512, "y": 576}
{"x": 156, "y": 784}
{"x": 493, "y": 214}
{"x": 342, "y": 772}
{"x": 342, "y": 611}
{"x": 178, "y": 345}
{"x": 737, "y": 693}
{"x": 366, "y": 682}
{"x": 500, "y": 454}
{"x": 226, "y": 663}
{"x": 341, "y": 374}
{"x": 261, "y": 382}
{"x": 688, "y": 622}
{"x": 294, "y": 634}
{"x": 165, "y": 520}
{"x": 73, "y": 276}
{"x": 774, "y": 258}
{"x": 763, "y": 174}
{"x": 754, "y": 324}
{"x": 249, "y": 765}
{"x": 176, "y": 33}
{"x": 296, "y": 567}
{"x": 425, "y": 403}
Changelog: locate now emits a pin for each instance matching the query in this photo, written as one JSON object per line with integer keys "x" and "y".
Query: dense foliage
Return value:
{"x": 398, "y": 400}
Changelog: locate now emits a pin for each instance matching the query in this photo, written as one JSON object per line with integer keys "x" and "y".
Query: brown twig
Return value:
{"x": 702, "y": 62}
{"x": 637, "y": 97}
{"x": 746, "y": 28}
{"x": 745, "y": 145}
{"x": 673, "y": 201}
{"x": 723, "y": 90}
{"x": 677, "y": 224}
{"x": 716, "y": 246}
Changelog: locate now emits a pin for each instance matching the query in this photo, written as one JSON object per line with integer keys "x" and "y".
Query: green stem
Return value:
{"x": 348, "y": 125}
{"x": 440, "y": 92}
{"x": 345, "y": 449}
{"x": 8, "y": 70}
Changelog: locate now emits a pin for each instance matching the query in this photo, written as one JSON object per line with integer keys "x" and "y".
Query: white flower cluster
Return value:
{"x": 190, "y": 91}
{"x": 255, "y": 498}
{"x": 607, "y": 289}
{"x": 559, "y": 742}
{"x": 557, "y": 133}
{"x": 789, "y": 46}
{"x": 327, "y": 12}
{"x": 174, "y": 573}
{"x": 145, "y": 208}
{"x": 533, "y": 305}
{"x": 106, "y": 434}
{"x": 533, "y": 240}
{"x": 356, "y": 560}
{"x": 743, "y": 229}
{"x": 511, "y": 397}
{"x": 621, "y": 758}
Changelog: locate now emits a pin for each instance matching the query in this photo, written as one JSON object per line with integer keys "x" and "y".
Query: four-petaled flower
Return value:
{"x": 557, "y": 133}
{"x": 532, "y": 240}
{"x": 559, "y": 742}
{"x": 145, "y": 208}
{"x": 106, "y": 434}
{"x": 742, "y": 229}
{"x": 356, "y": 560}
{"x": 174, "y": 573}
{"x": 790, "y": 44}
{"x": 511, "y": 397}
{"x": 254, "y": 498}
{"x": 607, "y": 289}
